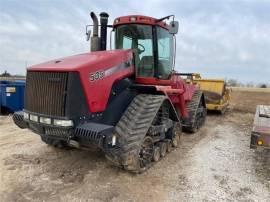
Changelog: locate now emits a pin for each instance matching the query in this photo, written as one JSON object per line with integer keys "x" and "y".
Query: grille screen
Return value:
{"x": 45, "y": 92}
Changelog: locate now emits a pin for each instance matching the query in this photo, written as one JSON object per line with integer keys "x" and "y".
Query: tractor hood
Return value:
{"x": 91, "y": 61}
{"x": 97, "y": 71}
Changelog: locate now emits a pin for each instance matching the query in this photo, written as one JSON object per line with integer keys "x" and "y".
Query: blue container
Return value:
{"x": 12, "y": 95}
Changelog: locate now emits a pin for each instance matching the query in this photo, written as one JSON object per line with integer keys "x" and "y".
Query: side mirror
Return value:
{"x": 88, "y": 34}
{"x": 174, "y": 27}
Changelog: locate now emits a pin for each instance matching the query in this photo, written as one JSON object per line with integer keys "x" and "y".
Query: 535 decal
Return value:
{"x": 97, "y": 75}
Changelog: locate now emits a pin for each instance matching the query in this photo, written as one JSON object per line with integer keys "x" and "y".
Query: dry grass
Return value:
{"x": 244, "y": 89}
{"x": 246, "y": 99}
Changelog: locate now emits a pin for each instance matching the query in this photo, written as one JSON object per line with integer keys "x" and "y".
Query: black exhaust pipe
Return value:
{"x": 95, "y": 40}
{"x": 95, "y": 23}
{"x": 103, "y": 30}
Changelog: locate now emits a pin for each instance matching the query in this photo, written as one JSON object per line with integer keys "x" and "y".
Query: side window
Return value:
{"x": 163, "y": 48}
{"x": 127, "y": 42}
{"x": 146, "y": 64}
{"x": 165, "y": 53}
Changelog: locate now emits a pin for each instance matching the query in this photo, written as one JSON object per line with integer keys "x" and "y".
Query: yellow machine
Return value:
{"x": 217, "y": 96}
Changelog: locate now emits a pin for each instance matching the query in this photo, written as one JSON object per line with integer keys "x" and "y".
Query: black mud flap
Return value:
{"x": 94, "y": 133}
{"x": 253, "y": 141}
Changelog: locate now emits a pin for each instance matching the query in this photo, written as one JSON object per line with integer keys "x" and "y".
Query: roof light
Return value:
{"x": 117, "y": 20}
{"x": 133, "y": 19}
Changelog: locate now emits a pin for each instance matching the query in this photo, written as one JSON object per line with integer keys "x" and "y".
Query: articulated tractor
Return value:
{"x": 128, "y": 101}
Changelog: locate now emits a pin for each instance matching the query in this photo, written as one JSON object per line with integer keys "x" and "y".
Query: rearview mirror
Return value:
{"x": 88, "y": 34}
{"x": 173, "y": 27}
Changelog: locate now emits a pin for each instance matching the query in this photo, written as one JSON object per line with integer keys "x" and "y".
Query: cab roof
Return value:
{"x": 139, "y": 19}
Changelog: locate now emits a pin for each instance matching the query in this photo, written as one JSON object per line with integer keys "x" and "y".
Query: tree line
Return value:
{"x": 7, "y": 74}
{"x": 235, "y": 83}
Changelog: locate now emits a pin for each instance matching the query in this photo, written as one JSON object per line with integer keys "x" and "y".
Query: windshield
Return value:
{"x": 139, "y": 38}
{"x": 147, "y": 53}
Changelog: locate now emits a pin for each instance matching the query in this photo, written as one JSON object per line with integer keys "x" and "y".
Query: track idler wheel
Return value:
{"x": 163, "y": 148}
{"x": 146, "y": 153}
{"x": 177, "y": 132}
{"x": 169, "y": 145}
{"x": 175, "y": 141}
{"x": 156, "y": 154}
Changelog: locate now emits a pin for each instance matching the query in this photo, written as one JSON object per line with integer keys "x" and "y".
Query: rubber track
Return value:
{"x": 193, "y": 107}
{"x": 133, "y": 127}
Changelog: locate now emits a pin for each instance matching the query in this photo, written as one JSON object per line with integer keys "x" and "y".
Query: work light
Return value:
{"x": 45, "y": 120}
{"x": 65, "y": 123}
{"x": 25, "y": 115}
{"x": 33, "y": 118}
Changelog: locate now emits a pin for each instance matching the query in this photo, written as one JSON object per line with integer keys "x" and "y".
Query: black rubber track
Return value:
{"x": 193, "y": 107}
{"x": 132, "y": 128}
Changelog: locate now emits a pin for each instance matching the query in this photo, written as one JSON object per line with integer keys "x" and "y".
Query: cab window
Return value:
{"x": 127, "y": 42}
{"x": 140, "y": 39}
{"x": 165, "y": 53}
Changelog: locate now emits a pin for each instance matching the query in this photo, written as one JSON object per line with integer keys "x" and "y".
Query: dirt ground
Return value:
{"x": 215, "y": 164}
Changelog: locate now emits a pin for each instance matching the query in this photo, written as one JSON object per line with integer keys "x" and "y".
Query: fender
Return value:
{"x": 161, "y": 90}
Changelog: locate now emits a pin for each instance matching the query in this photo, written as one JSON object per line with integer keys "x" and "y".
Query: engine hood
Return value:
{"x": 92, "y": 61}
{"x": 97, "y": 71}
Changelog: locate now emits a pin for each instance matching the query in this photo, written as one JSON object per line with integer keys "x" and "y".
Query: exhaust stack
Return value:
{"x": 95, "y": 39}
{"x": 103, "y": 30}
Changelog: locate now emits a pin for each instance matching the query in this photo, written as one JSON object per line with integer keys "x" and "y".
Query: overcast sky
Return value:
{"x": 223, "y": 39}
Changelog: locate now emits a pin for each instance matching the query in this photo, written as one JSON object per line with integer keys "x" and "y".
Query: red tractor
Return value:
{"x": 128, "y": 101}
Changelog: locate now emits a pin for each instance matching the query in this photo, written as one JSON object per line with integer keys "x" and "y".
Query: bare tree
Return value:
{"x": 5, "y": 74}
{"x": 263, "y": 85}
{"x": 232, "y": 82}
{"x": 250, "y": 85}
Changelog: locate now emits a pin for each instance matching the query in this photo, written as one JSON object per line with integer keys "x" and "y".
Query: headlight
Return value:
{"x": 45, "y": 120}
{"x": 65, "y": 123}
{"x": 25, "y": 115}
{"x": 33, "y": 118}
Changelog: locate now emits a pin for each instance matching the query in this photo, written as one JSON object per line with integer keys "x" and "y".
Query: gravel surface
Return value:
{"x": 215, "y": 164}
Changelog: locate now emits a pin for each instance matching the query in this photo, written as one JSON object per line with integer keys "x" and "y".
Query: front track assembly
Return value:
{"x": 145, "y": 133}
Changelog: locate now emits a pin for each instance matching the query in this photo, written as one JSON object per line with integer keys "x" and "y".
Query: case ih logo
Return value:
{"x": 97, "y": 75}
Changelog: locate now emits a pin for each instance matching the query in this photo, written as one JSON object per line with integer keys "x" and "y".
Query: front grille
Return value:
{"x": 45, "y": 92}
{"x": 64, "y": 133}
{"x": 87, "y": 134}
{"x": 91, "y": 132}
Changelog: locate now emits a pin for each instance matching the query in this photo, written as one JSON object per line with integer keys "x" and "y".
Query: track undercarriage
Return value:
{"x": 145, "y": 132}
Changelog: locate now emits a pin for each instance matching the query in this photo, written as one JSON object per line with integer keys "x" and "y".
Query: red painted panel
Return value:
{"x": 179, "y": 92}
{"x": 109, "y": 62}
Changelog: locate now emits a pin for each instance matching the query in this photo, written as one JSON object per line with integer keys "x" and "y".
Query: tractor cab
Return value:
{"x": 152, "y": 41}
